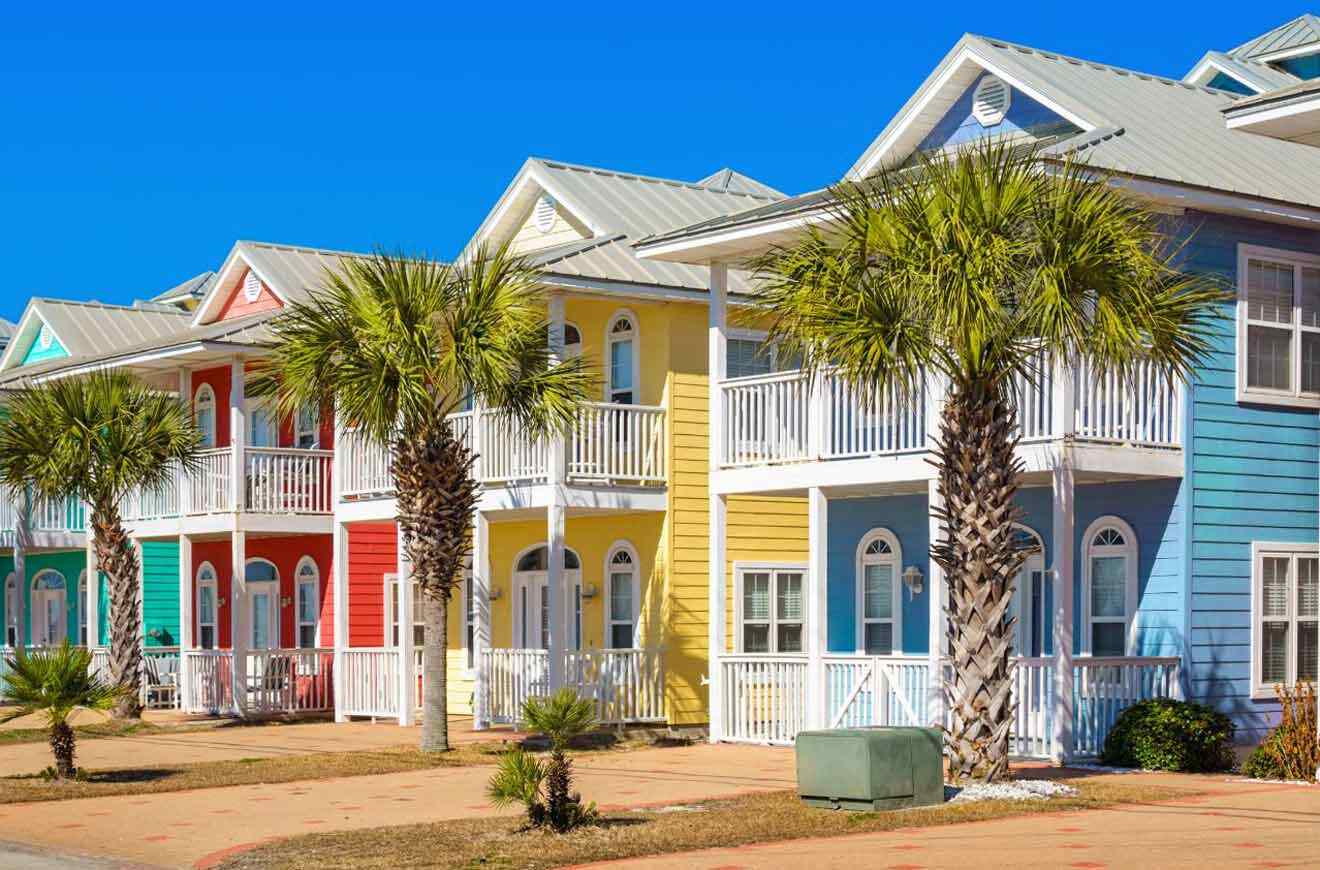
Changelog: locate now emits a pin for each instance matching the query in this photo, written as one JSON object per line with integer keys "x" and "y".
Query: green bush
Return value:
{"x": 1263, "y": 762}
{"x": 1164, "y": 734}
{"x": 1292, "y": 749}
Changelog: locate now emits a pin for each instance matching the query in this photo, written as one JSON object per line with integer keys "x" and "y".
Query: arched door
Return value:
{"x": 531, "y": 600}
{"x": 49, "y": 624}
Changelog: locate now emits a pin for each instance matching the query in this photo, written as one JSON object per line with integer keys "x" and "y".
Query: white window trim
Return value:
{"x": 636, "y": 338}
{"x": 205, "y": 395}
{"x": 298, "y": 582}
{"x": 1034, "y": 562}
{"x": 214, "y": 582}
{"x": 740, "y": 568}
{"x": 1259, "y": 550}
{"x": 298, "y": 431}
{"x": 896, "y": 586}
{"x": 250, "y": 408}
{"x": 391, "y": 581}
{"x": 32, "y": 611}
{"x": 1132, "y": 551}
{"x": 275, "y": 605}
{"x": 469, "y": 597}
{"x": 572, "y": 582}
{"x": 627, "y": 547}
{"x": 1256, "y": 395}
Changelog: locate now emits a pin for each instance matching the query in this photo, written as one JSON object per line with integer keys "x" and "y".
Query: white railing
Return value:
{"x": 1035, "y": 397}
{"x": 1032, "y": 734}
{"x": 863, "y": 692}
{"x": 287, "y": 480}
{"x": 371, "y": 682}
{"x": 209, "y": 681}
{"x": 627, "y": 685}
{"x": 364, "y": 466}
{"x": 59, "y": 515}
{"x": 618, "y": 443}
{"x": 766, "y": 419}
{"x": 507, "y": 454}
{"x": 1144, "y": 409}
{"x": 511, "y": 677}
{"x": 158, "y": 502}
{"x": 1105, "y": 687}
{"x": 763, "y": 698}
{"x": 290, "y": 681}
{"x": 212, "y": 482}
{"x": 866, "y": 421}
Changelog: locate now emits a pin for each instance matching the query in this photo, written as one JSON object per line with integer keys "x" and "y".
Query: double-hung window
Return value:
{"x": 206, "y": 606}
{"x": 879, "y": 562}
{"x": 747, "y": 354}
{"x": 1278, "y": 327}
{"x": 1286, "y": 609}
{"x": 308, "y": 588}
{"x": 622, "y": 604}
{"x": 771, "y": 615}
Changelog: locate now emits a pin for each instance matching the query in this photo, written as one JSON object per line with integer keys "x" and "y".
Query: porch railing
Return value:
{"x": 288, "y": 480}
{"x": 627, "y": 685}
{"x": 371, "y": 682}
{"x": 209, "y": 683}
{"x": 764, "y": 699}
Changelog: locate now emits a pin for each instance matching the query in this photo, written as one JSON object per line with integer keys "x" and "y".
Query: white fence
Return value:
{"x": 627, "y": 685}
{"x": 209, "y": 684}
{"x": 763, "y": 699}
{"x": 277, "y": 681}
{"x": 873, "y": 691}
{"x": 288, "y": 480}
{"x": 371, "y": 682}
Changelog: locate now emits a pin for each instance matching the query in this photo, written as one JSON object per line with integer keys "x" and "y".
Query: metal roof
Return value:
{"x": 194, "y": 288}
{"x": 731, "y": 181}
{"x": 1302, "y": 31}
{"x": 1259, "y": 76}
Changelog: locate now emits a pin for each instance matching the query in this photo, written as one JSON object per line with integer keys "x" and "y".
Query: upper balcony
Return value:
{"x": 611, "y": 448}
{"x": 49, "y": 524}
{"x": 833, "y": 434}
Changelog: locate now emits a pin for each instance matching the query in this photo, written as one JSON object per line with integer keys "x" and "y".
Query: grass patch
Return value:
{"x": 763, "y": 818}
{"x": 155, "y": 779}
{"x": 108, "y": 728}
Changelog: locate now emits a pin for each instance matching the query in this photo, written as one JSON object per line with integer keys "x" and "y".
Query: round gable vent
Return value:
{"x": 544, "y": 213}
{"x": 990, "y": 101}
{"x": 251, "y": 286}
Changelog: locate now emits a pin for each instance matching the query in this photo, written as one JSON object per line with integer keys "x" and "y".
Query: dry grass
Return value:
{"x": 774, "y": 816}
{"x": 154, "y": 779}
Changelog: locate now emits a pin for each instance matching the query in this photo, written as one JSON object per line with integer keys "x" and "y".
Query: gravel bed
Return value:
{"x": 1013, "y": 790}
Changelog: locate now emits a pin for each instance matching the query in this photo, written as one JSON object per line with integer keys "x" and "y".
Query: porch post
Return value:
{"x": 817, "y": 609}
{"x": 186, "y": 639}
{"x": 481, "y": 624}
{"x": 92, "y": 603}
{"x": 555, "y": 519}
{"x": 339, "y": 571}
{"x": 1064, "y": 533}
{"x": 237, "y": 437}
{"x": 407, "y": 687}
{"x": 22, "y": 535}
{"x": 717, "y": 365}
{"x": 937, "y": 598}
{"x": 238, "y": 618}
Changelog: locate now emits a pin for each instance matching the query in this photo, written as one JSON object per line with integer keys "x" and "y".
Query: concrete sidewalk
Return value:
{"x": 181, "y": 829}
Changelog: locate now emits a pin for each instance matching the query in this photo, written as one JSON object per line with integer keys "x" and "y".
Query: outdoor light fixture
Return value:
{"x": 494, "y": 593}
{"x": 912, "y": 580}
{"x": 589, "y": 590}
{"x": 285, "y": 601}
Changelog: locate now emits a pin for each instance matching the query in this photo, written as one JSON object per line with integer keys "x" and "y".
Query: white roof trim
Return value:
{"x": 530, "y": 173}
{"x": 964, "y": 57}
{"x": 1284, "y": 54}
{"x": 1206, "y": 70}
{"x": 673, "y": 250}
{"x": 25, "y": 333}
{"x": 1250, "y": 118}
{"x": 220, "y": 287}
{"x": 137, "y": 359}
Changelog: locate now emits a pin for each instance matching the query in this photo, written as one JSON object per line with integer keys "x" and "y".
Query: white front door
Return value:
{"x": 531, "y": 610}
{"x": 1029, "y": 608}
{"x": 263, "y": 615}
{"x": 49, "y": 623}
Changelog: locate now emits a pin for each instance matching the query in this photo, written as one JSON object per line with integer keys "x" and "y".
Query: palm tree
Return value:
{"x": 54, "y": 683}
{"x": 396, "y": 345}
{"x": 98, "y": 438}
{"x": 545, "y": 789}
{"x": 982, "y": 267}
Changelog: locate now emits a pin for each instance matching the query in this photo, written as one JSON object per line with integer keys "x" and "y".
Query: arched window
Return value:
{"x": 624, "y": 595}
{"x": 1109, "y": 588}
{"x": 204, "y": 414}
{"x": 263, "y": 595}
{"x": 307, "y": 427}
{"x": 539, "y": 560}
{"x": 621, "y": 346}
{"x": 11, "y": 610}
{"x": 307, "y": 585}
{"x": 879, "y": 591}
{"x": 532, "y": 599}
{"x": 82, "y": 608}
{"x": 572, "y": 341}
{"x": 1029, "y": 596}
{"x": 206, "y": 606}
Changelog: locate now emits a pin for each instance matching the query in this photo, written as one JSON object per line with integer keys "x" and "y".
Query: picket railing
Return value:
{"x": 870, "y": 691}
{"x": 618, "y": 443}
{"x": 208, "y": 682}
{"x": 766, "y": 419}
{"x": 627, "y": 685}
{"x": 211, "y": 489}
{"x": 58, "y": 515}
{"x": 1143, "y": 409}
{"x": 290, "y": 681}
{"x": 371, "y": 682}
{"x": 285, "y": 480}
{"x": 364, "y": 466}
{"x": 763, "y": 698}
{"x": 1105, "y": 687}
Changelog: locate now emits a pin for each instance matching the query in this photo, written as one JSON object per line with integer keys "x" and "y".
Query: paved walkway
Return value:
{"x": 181, "y": 829}
{"x": 1234, "y": 824}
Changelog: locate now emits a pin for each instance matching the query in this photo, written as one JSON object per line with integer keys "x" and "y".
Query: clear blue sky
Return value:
{"x": 137, "y": 144}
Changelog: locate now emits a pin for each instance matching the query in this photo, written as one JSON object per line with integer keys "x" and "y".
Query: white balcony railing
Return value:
{"x": 784, "y": 418}
{"x": 288, "y": 480}
{"x": 627, "y": 685}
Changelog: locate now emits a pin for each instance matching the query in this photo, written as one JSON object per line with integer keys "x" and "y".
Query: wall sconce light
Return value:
{"x": 220, "y": 601}
{"x": 285, "y": 601}
{"x": 589, "y": 590}
{"x": 912, "y": 578}
{"x": 494, "y": 593}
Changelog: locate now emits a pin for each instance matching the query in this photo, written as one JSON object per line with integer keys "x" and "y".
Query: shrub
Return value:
{"x": 1292, "y": 749}
{"x": 1164, "y": 734}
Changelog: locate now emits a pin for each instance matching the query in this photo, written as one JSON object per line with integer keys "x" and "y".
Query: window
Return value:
{"x": 1109, "y": 588}
{"x": 880, "y": 599}
{"x": 307, "y": 427}
{"x": 539, "y": 560}
{"x": 747, "y": 355}
{"x": 1029, "y": 595}
{"x": 622, "y": 344}
{"x": 1278, "y": 326}
{"x": 622, "y": 589}
{"x": 770, "y": 611}
{"x": 1285, "y": 606}
{"x": 82, "y": 608}
{"x": 307, "y": 580}
{"x": 572, "y": 341}
{"x": 206, "y": 606}
{"x": 11, "y": 610}
{"x": 204, "y": 414}
{"x": 263, "y": 594}
{"x": 263, "y": 428}
{"x": 419, "y": 624}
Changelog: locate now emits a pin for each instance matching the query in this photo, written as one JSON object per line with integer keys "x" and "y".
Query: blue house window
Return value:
{"x": 1278, "y": 327}
{"x": 1286, "y": 612}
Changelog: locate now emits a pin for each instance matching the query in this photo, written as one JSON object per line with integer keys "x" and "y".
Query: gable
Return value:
{"x": 1228, "y": 83}
{"x": 1024, "y": 119}
{"x": 45, "y": 346}
{"x": 1306, "y": 67}
{"x": 250, "y": 295}
{"x": 546, "y": 224}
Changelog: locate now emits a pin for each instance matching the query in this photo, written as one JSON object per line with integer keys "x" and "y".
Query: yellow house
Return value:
{"x": 591, "y": 556}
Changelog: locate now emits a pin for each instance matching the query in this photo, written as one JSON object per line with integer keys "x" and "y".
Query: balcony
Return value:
{"x": 609, "y": 445}
{"x": 785, "y": 419}
{"x": 49, "y": 523}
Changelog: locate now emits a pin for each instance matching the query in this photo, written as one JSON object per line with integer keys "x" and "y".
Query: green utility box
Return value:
{"x": 871, "y": 768}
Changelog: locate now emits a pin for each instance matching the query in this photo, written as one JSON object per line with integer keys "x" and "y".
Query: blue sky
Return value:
{"x": 138, "y": 142}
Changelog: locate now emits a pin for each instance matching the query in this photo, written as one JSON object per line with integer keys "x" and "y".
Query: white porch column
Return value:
{"x": 186, "y": 639}
{"x": 481, "y": 624}
{"x": 407, "y": 687}
{"x": 937, "y": 595}
{"x": 717, "y": 365}
{"x": 817, "y": 608}
{"x": 91, "y": 604}
{"x": 237, "y": 436}
{"x": 22, "y": 537}
{"x": 339, "y": 571}
{"x": 185, "y": 480}
{"x": 555, "y": 520}
{"x": 1064, "y": 534}
{"x": 238, "y": 618}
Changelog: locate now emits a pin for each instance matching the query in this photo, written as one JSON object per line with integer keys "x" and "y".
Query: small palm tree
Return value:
{"x": 97, "y": 438}
{"x": 396, "y": 345}
{"x": 977, "y": 267}
{"x": 54, "y": 683}
{"x": 521, "y": 777}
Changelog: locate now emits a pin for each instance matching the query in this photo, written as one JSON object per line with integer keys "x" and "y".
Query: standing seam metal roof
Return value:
{"x": 1301, "y": 31}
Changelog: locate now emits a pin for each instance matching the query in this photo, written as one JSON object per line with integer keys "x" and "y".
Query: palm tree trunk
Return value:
{"x": 435, "y": 681}
{"x": 62, "y": 743}
{"x": 980, "y": 556}
{"x": 117, "y": 559}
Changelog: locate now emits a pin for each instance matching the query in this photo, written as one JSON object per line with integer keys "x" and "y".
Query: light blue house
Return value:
{"x": 1177, "y": 523}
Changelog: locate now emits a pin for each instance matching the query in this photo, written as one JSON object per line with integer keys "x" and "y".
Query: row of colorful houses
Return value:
{"x": 727, "y": 543}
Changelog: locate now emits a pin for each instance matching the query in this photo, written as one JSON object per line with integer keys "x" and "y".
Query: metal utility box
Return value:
{"x": 871, "y": 768}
